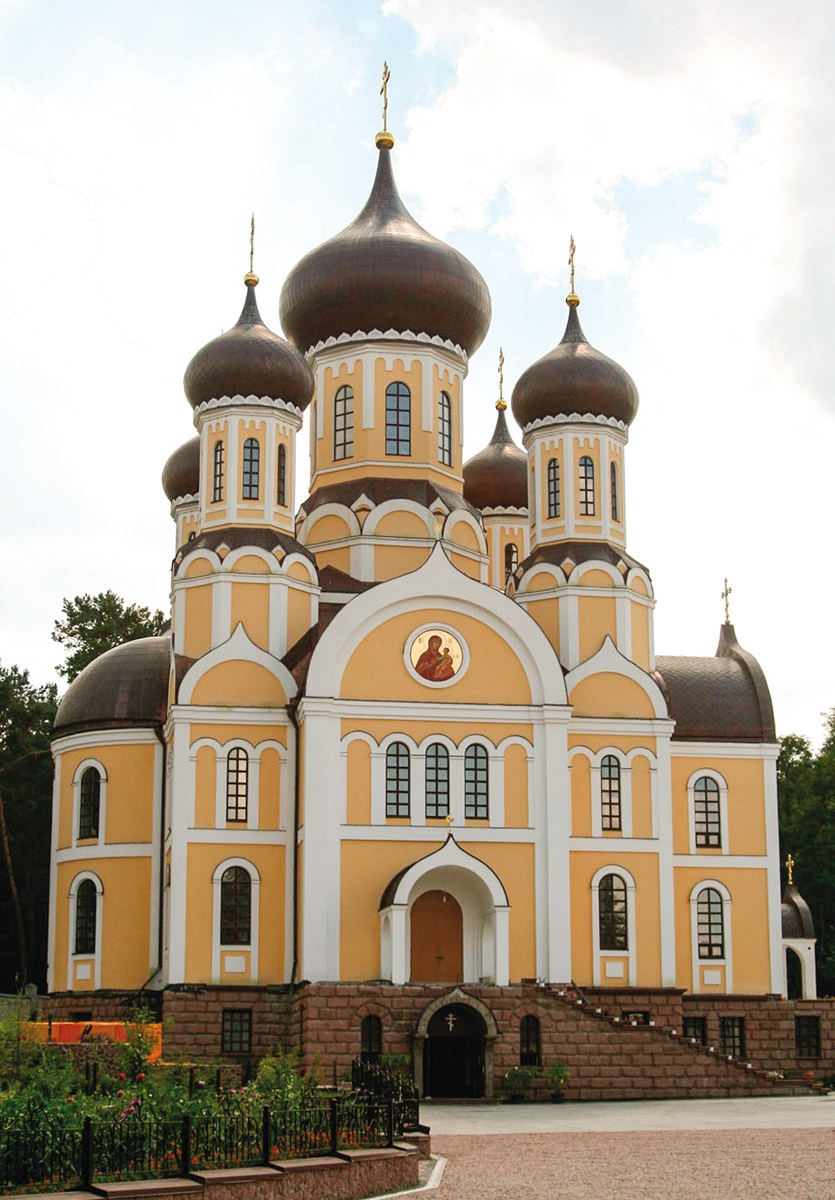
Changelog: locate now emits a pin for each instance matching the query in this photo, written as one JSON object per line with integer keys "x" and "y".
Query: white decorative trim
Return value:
{"x": 609, "y": 659}
{"x": 250, "y": 401}
{"x": 97, "y": 765}
{"x": 766, "y": 751}
{"x": 804, "y": 948}
{"x": 95, "y": 957}
{"x": 390, "y": 335}
{"x": 629, "y": 955}
{"x": 575, "y": 419}
{"x": 238, "y": 647}
{"x": 510, "y": 510}
{"x": 724, "y": 846}
{"x": 697, "y": 962}
{"x": 254, "y": 912}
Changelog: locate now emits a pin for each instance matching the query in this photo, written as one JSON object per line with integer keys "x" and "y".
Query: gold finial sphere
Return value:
{"x": 250, "y": 279}
{"x": 572, "y": 299}
{"x": 501, "y": 405}
{"x": 384, "y": 140}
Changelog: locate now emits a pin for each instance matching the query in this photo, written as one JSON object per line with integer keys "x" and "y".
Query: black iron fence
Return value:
{"x": 380, "y": 1082}
{"x": 41, "y": 1156}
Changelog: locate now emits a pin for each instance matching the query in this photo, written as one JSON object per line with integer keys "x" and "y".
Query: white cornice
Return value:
{"x": 762, "y": 750}
{"x": 416, "y": 710}
{"x": 622, "y": 726}
{"x": 499, "y": 511}
{"x": 250, "y": 401}
{"x": 575, "y": 418}
{"x": 101, "y": 737}
{"x": 390, "y": 335}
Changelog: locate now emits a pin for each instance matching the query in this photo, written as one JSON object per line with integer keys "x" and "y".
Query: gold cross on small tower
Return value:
{"x": 725, "y": 596}
{"x": 251, "y": 277}
{"x": 790, "y": 869}
{"x": 572, "y": 298}
{"x": 500, "y": 403}
{"x": 384, "y": 92}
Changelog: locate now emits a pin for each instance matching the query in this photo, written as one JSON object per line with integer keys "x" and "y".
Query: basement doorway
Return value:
{"x": 453, "y": 1054}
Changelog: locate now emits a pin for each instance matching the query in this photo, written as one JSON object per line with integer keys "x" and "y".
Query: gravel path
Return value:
{"x": 732, "y": 1164}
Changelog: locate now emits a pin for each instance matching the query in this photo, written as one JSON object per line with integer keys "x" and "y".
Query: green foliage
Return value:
{"x": 558, "y": 1075}
{"x": 92, "y": 624}
{"x": 519, "y": 1079}
{"x": 806, "y": 787}
{"x": 398, "y": 1064}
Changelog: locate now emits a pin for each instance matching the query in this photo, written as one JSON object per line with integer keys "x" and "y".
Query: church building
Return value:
{"x": 406, "y": 775}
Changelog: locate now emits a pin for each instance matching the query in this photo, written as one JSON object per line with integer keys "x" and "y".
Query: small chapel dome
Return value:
{"x": 574, "y": 378}
{"x": 127, "y": 685}
{"x": 249, "y": 360}
{"x": 385, "y": 272}
{"x": 497, "y": 477}
{"x": 796, "y": 915}
{"x": 181, "y": 473}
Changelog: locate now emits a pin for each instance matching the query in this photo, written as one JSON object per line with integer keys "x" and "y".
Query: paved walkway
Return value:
{"x": 780, "y": 1148}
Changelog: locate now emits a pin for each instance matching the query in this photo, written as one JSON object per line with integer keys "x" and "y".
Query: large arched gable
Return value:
{"x": 232, "y": 669}
{"x": 609, "y": 685}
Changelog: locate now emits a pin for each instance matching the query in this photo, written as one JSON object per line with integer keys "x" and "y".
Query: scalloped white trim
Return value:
{"x": 500, "y": 510}
{"x": 269, "y": 401}
{"x": 191, "y": 498}
{"x": 390, "y": 335}
{"x": 571, "y": 418}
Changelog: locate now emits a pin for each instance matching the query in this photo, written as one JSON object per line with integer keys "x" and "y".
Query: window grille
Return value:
{"x": 236, "y": 1035}
{"x": 281, "y": 476}
{"x": 397, "y": 780}
{"x": 613, "y": 474}
{"x": 587, "y": 506}
{"x": 612, "y": 924}
{"x": 807, "y": 1036}
{"x": 529, "y": 1042}
{"x": 445, "y": 429}
{"x": 610, "y": 792}
{"x": 237, "y": 784}
{"x": 235, "y": 907}
{"x": 706, "y": 812}
{"x": 696, "y": 1027}
{"x": 85, "y": 917}
{"x": 89, "y": 804}
{"x": 437, "y": 780}
{"x": 371, "y": 1039}
{"x": 710, "y": 923}
{"x": 217, "y": 472}
{"x": 343, "y": 423}
{"x": 252, "y": 469}
{"x": 476, "y": 785}
{"x": 398, "y": 419}
{"x": 553, "y": 488}
{"x": 732, "y": 1036}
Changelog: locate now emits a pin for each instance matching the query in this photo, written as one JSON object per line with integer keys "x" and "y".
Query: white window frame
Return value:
{"x": 95, "y": 958}
{"x": 254, "y": 922}
{"x": 723, "y": 811}
{"x": 97, "y": 765}
{"x": 595, "y": 766}
{"x": 628, "y": 956}
{"x": 697, "y": 962}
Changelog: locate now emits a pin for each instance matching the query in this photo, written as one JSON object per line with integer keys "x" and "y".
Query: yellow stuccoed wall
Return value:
{"x": 130, "y": 791}
{"x": 516, "y": 787}
{"x": 359, "y": 783}
{"x": 749, "y": 904}
{"x": 205, "y": 788}
{"x": 644, "y": 870}
{"x": 641, "y": 798}
{"x": 269, "y": 799}
{"x": 250, "y": 608}
{"x": 246, "y": 684}
{"x": 609, "y": 695}
{"x": 746, "y": 804}
{"x": 198, "y": 620}
{"x": 125, "y": 932}
{"x": 597, "y": 620}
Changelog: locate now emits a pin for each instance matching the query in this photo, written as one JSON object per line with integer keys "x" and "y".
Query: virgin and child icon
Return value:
{"x": 436, "y": 655}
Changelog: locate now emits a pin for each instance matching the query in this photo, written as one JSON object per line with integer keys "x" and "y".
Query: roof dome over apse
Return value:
{"x": 385, "y": 272}
{"x": 574, "y": 378}
{"x": 181, "y": 473}
{"x": 249, "y": 360}
{"x": 497, "y": 477}
{"x": 125, "y": 686}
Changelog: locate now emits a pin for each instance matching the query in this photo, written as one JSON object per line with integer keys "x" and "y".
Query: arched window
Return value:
{"x": 445, "y": 429}
{"x": 529, "y": 1042}
{"x": 610, "y": 809}
{"x": 511, "y": 559}
{"x": 237, "y": 782}
{"x": 371, "y": 1039}
{"x": 613, "y": 476}
{"x": 235, "y": 907}
{"x": 707, "y": 817}
{"x": 553, "y": 488}
{"x": 281, "y": 476}
{"x": 586, "y": 487}
{"x": 343, "y": 422}
{"x": 85, "y": 917}
{"x": 476, "y": 789}
{"x": 252, "y": 469}
{"x": 437, "y": 780}
{"x": 88, "y": 806}
{"x": 217, "y": 472}
{"x": 397, "y": 780}
{"x": 612, "y": 913}
{"x": 710, "y": 924}
{"x": 398, "y": 419}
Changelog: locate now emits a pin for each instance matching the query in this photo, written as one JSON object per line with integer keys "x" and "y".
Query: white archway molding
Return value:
{"x": 719, "y": 965}
{"x": 85, "y": 966}
{"x": 484, "y": 906}
{"x": 189, "y": 557}
{"x": 388, "y": 507}
{"x": 555, "y": 573}
{"x": 295, "y": 559}
{"x": 237, "y": 648}
{"x": 231, "y": 954}
{"x": 462, "y": 517}
{"x": 457, "y": 996}
{"x": 604, "y": 973}
{"x": 721, "y": 783}
{"x": 96, "y": 765}
{"x": 436, "y": 583}
{"x": 635, "y": 573}
{"x": 269, "y": 559}
{"x": 595, "y": 564}
{"x": 342, "y": 511}
{"x": 804, "y": 948}
{"x": 609, "y": 660}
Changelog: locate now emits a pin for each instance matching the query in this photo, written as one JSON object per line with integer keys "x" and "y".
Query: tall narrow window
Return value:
{"x": 252, "y": 469}
{"x": 612, "y": 924}
{"x": 711, "y": 924}
{"x": 437, "y": 780}
{"x": 89, "y": 802}
{"x": 732, "y": 1036}
{"x": 553, "y": 488}
{"x": 529, "y": 1041}
{"x": 511, "y": 559}
{"x": 706, "y": 812}
{"x": 235, "y": 907}
{"x": 586, "y": 487}
{"x": 237, "y": 781}
{"x": 476, "y": 789}
{"x": 217, "y": 472}
{"x": 85, "y": 917}
{"x": 445, "y": 429}
{"x": 613, "y": 478}
{"x": 397, "y": 780}
{"x": 371, "y": 1039}
{"x": 281, "y": 476}
{"x": 343, "y": 423}
{"x": 610, "y": 793}
{"x": 398, "y": 419}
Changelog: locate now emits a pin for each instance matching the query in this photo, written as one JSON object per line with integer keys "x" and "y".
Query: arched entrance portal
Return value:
{"x": 437, "y": 939}
{"x": 453, "y": 1053}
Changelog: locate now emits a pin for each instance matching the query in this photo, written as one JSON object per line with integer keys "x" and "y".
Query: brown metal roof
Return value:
{"x": 580, "y": 552}
{"x": 379, "y": 490}
{"x": 497, "y": 477}
{"x": 126, "y": 686}
{"x": 236, "y": 536}
{"x": 181, "y": 473}
{"x": 796, "y": 914}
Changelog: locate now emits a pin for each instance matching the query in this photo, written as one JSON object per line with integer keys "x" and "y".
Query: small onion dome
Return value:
{"x": 181, "y": 474}
{"x": 574, "y": 378}
{"x": 124, "y": 686}
{"x": 497, "y": 477}
{"x": 796, "y": 915}
{"x": 385, "y": 272}
{"x": 249, "y": 360}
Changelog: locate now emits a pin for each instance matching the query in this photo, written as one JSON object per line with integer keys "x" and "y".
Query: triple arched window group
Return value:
{"x": 587, "y": 489}
{"x": 476, "y": 781}
{"x": 398, "y": 422}
{"x": 251, "y": 473}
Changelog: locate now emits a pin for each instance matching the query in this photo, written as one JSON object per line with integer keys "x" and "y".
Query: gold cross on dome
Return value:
{"x": 571, "y": 249}
{"x": 790, "y": 869}
{"x": 251, "y": 243}
{"x": 725, "y": 596}
{"x": 384, "y": 92}
{"x": 500, "y": 404}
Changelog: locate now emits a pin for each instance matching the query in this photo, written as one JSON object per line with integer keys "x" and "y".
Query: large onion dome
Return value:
{"x": 574, "y": 378}
{"x": 181, "y": 474}
{"x": 497, "y": 477}
{"x": 385, "y": 272}
{"x": 249, "y": 360}
{"x": 126, "y": 686}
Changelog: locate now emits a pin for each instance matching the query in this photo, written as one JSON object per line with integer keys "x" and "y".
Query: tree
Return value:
{"x": 26, "y": 716}
{"x": 806, "y": 788}
{"x": 92, "y": 624}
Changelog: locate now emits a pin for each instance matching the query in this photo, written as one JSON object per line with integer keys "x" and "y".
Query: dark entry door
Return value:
{"x": 453, "y": 1062}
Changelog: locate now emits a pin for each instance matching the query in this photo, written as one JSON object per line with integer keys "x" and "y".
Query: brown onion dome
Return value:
{"x": 181, "y": 474}
{"x": 574, "y": 378}
{"x": 497, "y": 477}
{"x": 125, "y": 686}
{"x": 385, "y": 272}
{"x": 249, "y": 360}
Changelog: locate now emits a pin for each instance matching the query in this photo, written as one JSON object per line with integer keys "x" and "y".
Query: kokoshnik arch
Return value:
{"x": 406, "y": 773}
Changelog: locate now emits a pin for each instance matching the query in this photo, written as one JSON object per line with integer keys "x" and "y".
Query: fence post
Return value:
{"x": 185, "y": 1146}
{"x": 390, "y": 1122}
{"x": 266, "y": 1136}
{"x": 87, "y": 1154}
{"x": 334, "y": 1107}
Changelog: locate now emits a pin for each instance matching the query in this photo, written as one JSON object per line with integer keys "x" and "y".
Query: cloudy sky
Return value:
{"x": 689, "y": 148}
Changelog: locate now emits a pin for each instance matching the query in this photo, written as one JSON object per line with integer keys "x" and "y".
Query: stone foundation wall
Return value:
{"x": 193, "y": 1020}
